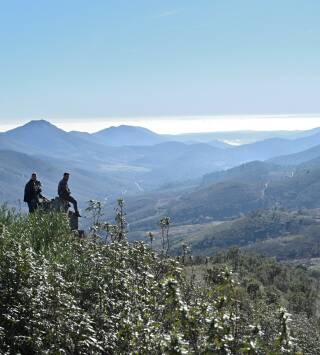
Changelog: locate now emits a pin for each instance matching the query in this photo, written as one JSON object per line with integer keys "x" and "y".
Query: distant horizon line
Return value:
{"x": 191, "y": 124}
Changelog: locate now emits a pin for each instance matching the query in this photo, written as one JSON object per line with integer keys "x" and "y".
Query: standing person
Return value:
{"x": 65, "y": 194}
{"x": 32, "y": 193}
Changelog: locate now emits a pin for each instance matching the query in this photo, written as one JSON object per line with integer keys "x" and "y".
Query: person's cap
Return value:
{"x": 66, "y": 173}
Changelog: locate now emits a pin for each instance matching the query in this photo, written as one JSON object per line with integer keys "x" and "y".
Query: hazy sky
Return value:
{"x": 85, "y": 60}
{"x": 187, "y": 124}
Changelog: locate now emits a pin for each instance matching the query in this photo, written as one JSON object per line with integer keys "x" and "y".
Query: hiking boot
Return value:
{"x": 77, "y": 214}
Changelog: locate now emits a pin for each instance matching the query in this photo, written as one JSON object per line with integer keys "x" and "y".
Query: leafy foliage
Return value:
{"x": 62, "y": 294}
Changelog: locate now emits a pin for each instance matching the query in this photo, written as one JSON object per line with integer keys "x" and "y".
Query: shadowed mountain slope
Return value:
{"x": 270, "y": 148}
{"x": 301, "y": 190}
{"x": 276, "y": 233}
{"x": 231, "y": 193}
{"x": 298, "y": 158}
{"x": 298, "y": 188}
{"x": 16, "y": 169}
{"x": 253, "y": 172}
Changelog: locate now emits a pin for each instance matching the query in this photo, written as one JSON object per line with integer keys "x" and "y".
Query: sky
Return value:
{"x": 172, "y": 66}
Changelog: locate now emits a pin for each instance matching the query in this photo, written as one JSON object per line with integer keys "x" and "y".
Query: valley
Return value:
{"x": 218, "y": 196}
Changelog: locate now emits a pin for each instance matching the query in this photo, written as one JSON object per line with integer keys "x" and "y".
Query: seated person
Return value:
{"x": 65, "y": 194}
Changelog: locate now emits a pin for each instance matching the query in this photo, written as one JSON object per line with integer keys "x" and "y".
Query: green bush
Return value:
{"x": 60, "y": 294}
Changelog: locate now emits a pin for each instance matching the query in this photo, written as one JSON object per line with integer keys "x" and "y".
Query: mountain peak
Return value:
{"x": 34, "y": 126}
{"x": 127, "y": 135}
{"x": 39, "y": 123}
{"x": 126, "y": 128}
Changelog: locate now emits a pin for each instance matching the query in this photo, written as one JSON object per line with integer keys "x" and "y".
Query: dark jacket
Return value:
{"x": 63, "y": 189}
{"x": 32, "y": 190}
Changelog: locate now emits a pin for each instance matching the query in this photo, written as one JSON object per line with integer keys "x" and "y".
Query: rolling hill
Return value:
{"x": 43, "y": 138}
{"x": 253, "y": 172}
{"x": 285, "y": 235}
{"x": 224, "y": 193}
{"x": 16, "y": 169}
{"x": 127, "y": 135}
{"x": 232, "y": 193}
{"x": 301, "y": 190}
{"x": 273, "y": 147}
{"x": 152, "y": 164}
{"x": 298, "y": 158}
{"x": 253, "y": 230}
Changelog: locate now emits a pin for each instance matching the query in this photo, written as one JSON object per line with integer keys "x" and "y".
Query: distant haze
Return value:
{"x": 186, "y": 124}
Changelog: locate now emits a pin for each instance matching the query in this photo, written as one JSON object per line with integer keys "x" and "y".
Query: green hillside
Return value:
{"x": 251, "y": 229}
{"x": 253, "y": 172}
{"x": 301, "y": 190}
{"x": 231, "y": 193}
{"x": 282, "y": 234}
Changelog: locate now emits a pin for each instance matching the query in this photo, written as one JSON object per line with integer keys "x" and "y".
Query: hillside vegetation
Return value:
{"x": 256, "y": 228}
{"x": 229, "y": 194}
{"x": 275, "y": 233}
{"x": 62, "y": 294}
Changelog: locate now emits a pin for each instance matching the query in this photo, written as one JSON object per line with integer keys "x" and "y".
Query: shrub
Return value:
{"x": 60, "y": 294}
